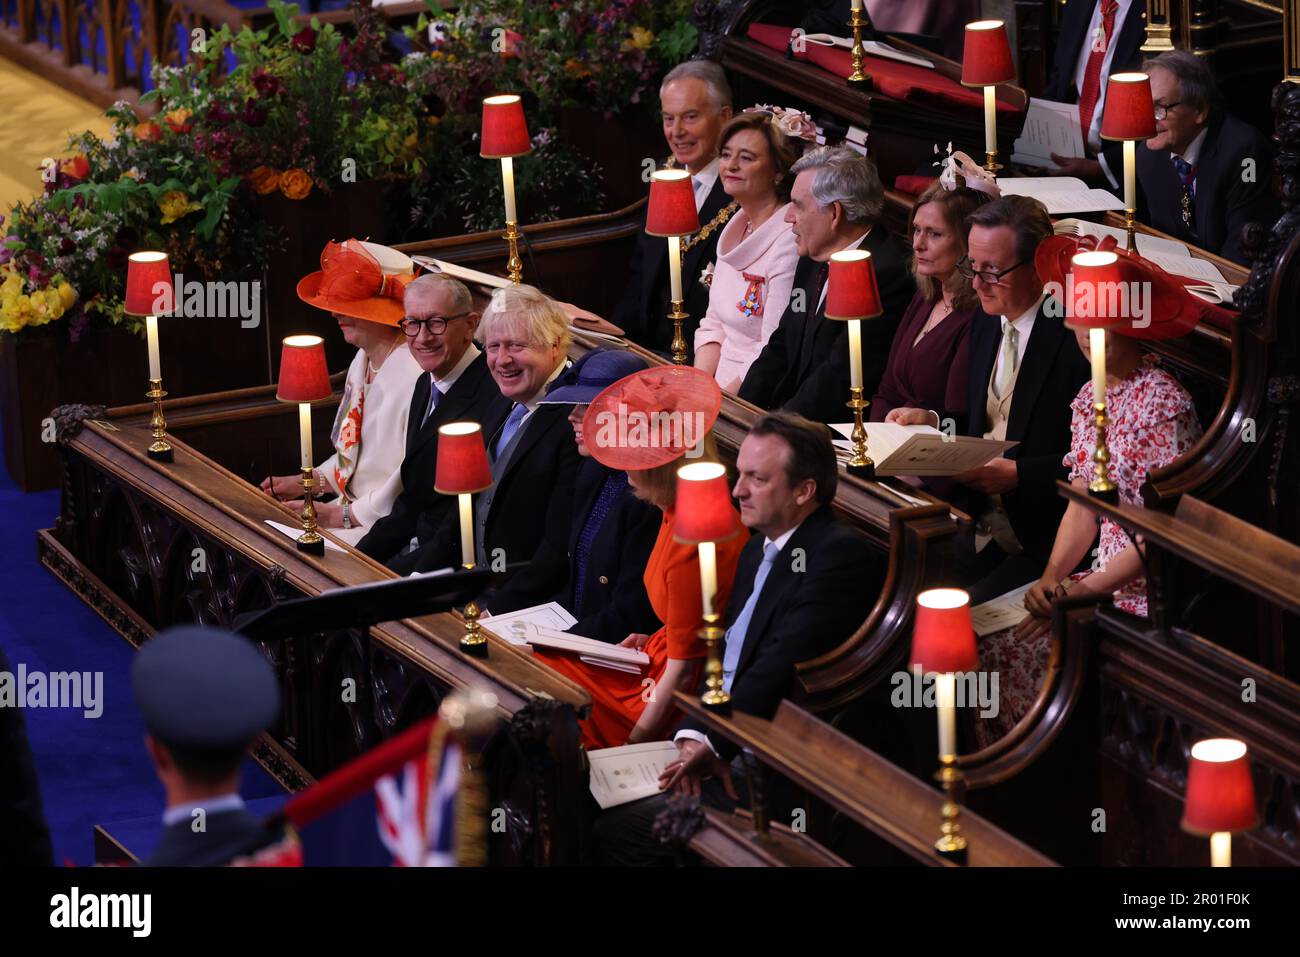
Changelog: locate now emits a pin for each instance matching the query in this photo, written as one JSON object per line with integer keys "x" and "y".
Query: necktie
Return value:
{"x": 1008, "y": 359}
{"x": 509, "y": 429}
{"x": 434, "y": 396}
{"x": 1187, "y": 176}
{"x": 735, "y": 637}
{"x": 1091, "y": 91}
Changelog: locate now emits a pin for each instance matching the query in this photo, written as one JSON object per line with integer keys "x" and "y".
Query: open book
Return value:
{"x": 1060, "y": 194}
{"x": 922, "y": 449}
{"x": 514, "y": 626}
{"x": 1005, "y": 611}
{"x": 1050, "y": 127}
{"x": 1170, "y": 255}
{"x": 869, "y": 47}
{"x": 629, "y": 773}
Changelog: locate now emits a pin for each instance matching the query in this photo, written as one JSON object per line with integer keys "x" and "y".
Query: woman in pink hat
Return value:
{"x": 628, "y": 708}
{"x": 361, "y": 284}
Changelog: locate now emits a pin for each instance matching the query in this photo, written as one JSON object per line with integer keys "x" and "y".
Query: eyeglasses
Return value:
{"x": 1162, "y": 110}
{"x": 435, "y": 324}
{"x": 987, "y": 276}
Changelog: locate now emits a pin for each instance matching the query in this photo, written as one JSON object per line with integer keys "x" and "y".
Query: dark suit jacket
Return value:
{"x": 474, "y": 398}
{"x": 614, "y": 600}
{"x": 642, "y": 312}
{"x": 1050, "y": 375}
{"x": 1070, "y": 43}
{"x": 24, "y": 835}
{"x": 1224, "y": 202}
{"x": 799, "y": 614}
{"x": 532, "y": 499}
{"x": 226, "y": 836}
{"x": 804, "y": 367}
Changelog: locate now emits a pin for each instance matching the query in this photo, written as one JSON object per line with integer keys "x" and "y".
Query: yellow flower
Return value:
{"x": 67, "y": 295}
{"x": 640, "y": 40}
{"x": 264, "y": 180}
{"x": 175, "y": 204}
{"x": 132, "y": 173}
{"x": 295, "y": 183}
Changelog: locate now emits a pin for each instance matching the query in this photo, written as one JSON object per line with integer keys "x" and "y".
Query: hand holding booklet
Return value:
{"x": 998, "y": 614}
{"x": 922, "y": 449}
{"x": 545, "y": 626}
{"x": 629, "y": 773}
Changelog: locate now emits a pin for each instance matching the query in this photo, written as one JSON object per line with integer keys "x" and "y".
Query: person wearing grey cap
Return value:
{"x": 205, "y": 694}
{"x": 597, "y": 574}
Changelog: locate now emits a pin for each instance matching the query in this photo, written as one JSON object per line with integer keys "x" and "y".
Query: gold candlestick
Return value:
{"x": 952, "y": 842}
{"x": 514, "y": 265}
{"x": 715, "y": 697}
{"x": 473, "y": 642}
{"x": 858, "y": 79}
{"x": 678, "y": 346}
{"x": 859, "y": 463}
{"x": 310, "y": 540}
{"x": 161, "y": 449}
{"x": 1101, "y": 485}
{"x": 991, "y": 161}
{"x": 1130, "y": 222}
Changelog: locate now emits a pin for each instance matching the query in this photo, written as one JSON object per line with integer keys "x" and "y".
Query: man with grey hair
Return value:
{"x": 835, "y": 205}
{"x": 440, "y": 322}
{"x": 695, "y": 103}
{"x": 1205, "y": 174}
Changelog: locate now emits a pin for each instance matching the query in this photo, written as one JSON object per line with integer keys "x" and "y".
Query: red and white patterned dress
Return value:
{"x": 1152, "y": 423}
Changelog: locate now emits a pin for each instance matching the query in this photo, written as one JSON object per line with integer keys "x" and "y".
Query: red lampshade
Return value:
{"x": 986, "y": 60}
{"x": 672, "y": 204}
{"x": 144, "y": 297}
{"x": 504, "y": 131}
{"x": 1220, "y": 791}
{"x": 943, "y": 639}
{"x": 1091, "y": 287}
{"x": 852, "y": 292}
{"x": 462, "y": 460}
{"x": 1130, "y": 113}
{"x": 703, "y": 512}
{"x": 303, "y": 375}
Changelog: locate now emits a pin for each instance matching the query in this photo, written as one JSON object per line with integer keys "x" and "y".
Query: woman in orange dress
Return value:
{"x": 628, "y": 708}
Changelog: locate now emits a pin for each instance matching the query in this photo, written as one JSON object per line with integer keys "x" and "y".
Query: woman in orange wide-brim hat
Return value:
{"x": 620, "y": 431}
{"x": 361, "y": 285}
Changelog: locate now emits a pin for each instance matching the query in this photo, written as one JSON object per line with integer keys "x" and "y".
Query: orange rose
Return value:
{"x": 295, "y": 183}
{"x": 77, "y": 167}
{"x": 179, "y": 121}
{"x": 148, "y": 131}
{"x": 264, "y": 180}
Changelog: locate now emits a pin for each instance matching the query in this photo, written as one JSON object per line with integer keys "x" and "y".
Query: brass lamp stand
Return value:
{"x": 715, "y": 697}
{"x": 473, "y": 642}
{"x": 310, "y": 541}
{"x": 161, "y": 449}
{"x": 678, "y": 346}
{"x": 952, "y": 843}
{"x": 515, "y": 265}
{"x": 858, "y": 79}
{"x": 859, "y": 463}
{"x": 1102, "y": 486}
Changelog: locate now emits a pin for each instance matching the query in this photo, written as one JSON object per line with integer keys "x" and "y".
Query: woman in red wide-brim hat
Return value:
{"x": 625, "y": 709}
{"x": 361, "y": 284}
{"x": 1152, "y": 422}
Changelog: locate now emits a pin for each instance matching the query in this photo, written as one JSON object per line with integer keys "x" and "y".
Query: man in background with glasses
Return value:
{"x": 1205, "y": 174}
{"x": 439, "y": 324}
{"x": 1025, "y": 369}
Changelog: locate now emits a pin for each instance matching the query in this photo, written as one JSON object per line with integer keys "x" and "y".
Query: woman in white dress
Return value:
{"x": 361, "y": 285}
{"x": 754, "y": 273}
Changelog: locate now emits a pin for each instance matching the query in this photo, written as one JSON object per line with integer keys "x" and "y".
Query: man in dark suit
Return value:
{"x": 695, "y": 102}
{"x": 24, "y": 835}
{"x": 835, "y": 204}
{"x": 1025, "y": 370}
{"x": 805, "y": 582}
{"x": 532, "y": 455}
{"x": 1097, "y": 38}
{"x": 1205, "y": 174}
{"x": 440, "y": 323}
{"x": 599, "y": 578}
{"x": 205, "y": 695}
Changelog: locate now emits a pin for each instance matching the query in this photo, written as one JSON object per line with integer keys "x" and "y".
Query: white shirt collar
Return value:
{"x": 1026, "y": 319}
{"x": 1194, "y": 150}
{"x": 780, "y": 540}
{"x": 213, "y": 805}
{"x": 703, "y": 181}
{"x": 444, "y": 384}
{"x": 532, "y": 404}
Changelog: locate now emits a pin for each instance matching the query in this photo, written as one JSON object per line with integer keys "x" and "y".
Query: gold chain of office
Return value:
{"x": 713, "y": 225}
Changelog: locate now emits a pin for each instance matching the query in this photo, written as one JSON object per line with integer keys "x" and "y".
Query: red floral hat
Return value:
{"x": 359, "y": 279}
{"x": 651, "y": 417}
{"x": 1174, "y": 311}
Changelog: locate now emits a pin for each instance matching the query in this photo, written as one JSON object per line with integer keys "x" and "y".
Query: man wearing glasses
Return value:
{"x": 1205, "y": 174}
{"x": 1025, "y": 369}
{"x": 439, "y": 324}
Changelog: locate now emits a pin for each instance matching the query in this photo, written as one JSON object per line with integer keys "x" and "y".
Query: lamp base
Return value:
{"x": 160, "y": 451}
{"x": 715, "y": 697}
{"x": 312, "y": 543}
{"x": 473, "y": 643}
{"x": 951, "y": 844}
{"x": 991, "y": 163}
{"x": 1107, "y": 492}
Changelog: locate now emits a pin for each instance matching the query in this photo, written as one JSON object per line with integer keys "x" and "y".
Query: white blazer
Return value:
{"x": 377, "y": 480}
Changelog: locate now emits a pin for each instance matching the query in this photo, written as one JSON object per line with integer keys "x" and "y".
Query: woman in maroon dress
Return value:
{"x": 927, "y": 366}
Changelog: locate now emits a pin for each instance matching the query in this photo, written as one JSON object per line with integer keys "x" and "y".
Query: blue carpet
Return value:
{"x": 91, "y": 770}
